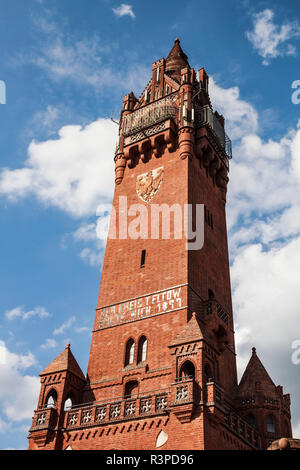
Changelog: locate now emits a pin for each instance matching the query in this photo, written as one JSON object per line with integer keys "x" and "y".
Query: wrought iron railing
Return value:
{"x": 205, "y": 116}
{"x": 213, "y": 307}
{"x": 150, "y": 114}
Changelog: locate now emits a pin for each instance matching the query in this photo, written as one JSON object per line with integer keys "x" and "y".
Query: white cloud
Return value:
{"x": 20, "y": 312}
{"x": 65, "y": 326}
{"x": 64, "y": 56}
{"x": 124, "y": 10}
{"x": 241, "y": 117}
{"x": 74, "y": 172}
{"x": 86, "y": 232}
{"x": 49, "y": 343}
{"x": 18, "y": 398}
{"x": 264, "y": 219}
{"x": 270, "y": 39}
{"x": 82, "y": 329}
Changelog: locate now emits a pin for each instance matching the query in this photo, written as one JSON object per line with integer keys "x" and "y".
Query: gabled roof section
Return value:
{"x": 255, "y": 373}
{"x": 65, "y": 361}
{"x": 190, "y": 333}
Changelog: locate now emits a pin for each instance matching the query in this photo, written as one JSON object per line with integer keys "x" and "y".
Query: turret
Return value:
{"x": 262, "y": 403}
{"x": 62, "y": 382}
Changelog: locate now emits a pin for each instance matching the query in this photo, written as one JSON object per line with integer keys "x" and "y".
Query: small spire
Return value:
{"x": 176, "y": 60}
{"x": 253, "y": 351}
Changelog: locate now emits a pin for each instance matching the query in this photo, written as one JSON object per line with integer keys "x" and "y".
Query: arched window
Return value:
{"x": 68, "y": 404}
{"x": 142, "y": 349}
{"x": 51, "y": 399}
{"x": 131, "y": 388}
{"x": 187, "y": 370}
{"x": 129, "y": 353}
{"x": 207, "y": 372}
{"x": 251, "y": 420}
{"x": 270, "y": 423}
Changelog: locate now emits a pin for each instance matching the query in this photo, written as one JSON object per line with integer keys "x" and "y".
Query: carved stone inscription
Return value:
{"x": 142, "y": 307}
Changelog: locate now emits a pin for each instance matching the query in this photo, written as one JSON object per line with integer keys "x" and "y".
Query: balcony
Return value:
{"x": 241, "y": 428}
{"x": 44, "y": 418}
{"x": 101, "y": 413}
{"x": 149, "y": 115}
{"x": 213, "y": 308}
{"x": 204, "y": 116}
{"x": 184, "y": 396}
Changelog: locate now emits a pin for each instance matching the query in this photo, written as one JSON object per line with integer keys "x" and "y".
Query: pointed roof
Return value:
{"x": 176, "y": 60}
{"x": 255, "y": 373}
{"x": 190, "y": 333}
{"x": 64, "y": 361}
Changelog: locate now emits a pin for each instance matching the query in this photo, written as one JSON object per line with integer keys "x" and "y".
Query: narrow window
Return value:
{"x": 208, "y": 373}
{"x": 158, "y": 75}
{"x": 143, "y": 258}
{"x": 129, "y": 353}
{"x": 50, "y": 402}
{"x": 51, "y": 399}
{"x": 68, "y": 404}
{"x": 270, "y": 424}
{"x": 142, "y": 349}
{"x": 187, "y": 370}
{"x": 251, "y": 420}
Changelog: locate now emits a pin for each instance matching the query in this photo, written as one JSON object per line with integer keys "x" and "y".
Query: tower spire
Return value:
{"x": 176, "y": 60}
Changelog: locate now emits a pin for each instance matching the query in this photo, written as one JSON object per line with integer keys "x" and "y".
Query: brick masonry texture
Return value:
{"x": 178, "y": 391}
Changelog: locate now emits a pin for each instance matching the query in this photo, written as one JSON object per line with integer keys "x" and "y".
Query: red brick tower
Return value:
{"x": 162, "y": 366}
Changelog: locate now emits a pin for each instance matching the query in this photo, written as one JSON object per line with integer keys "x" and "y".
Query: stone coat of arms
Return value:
{"x": 149, "y": 183}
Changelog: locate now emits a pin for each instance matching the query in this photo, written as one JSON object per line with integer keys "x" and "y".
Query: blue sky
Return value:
{"x": 66, "y": 65}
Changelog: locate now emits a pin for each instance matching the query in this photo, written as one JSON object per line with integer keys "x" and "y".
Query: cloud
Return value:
{"x": 19, "y": 396}
{"x": 84, "y": 61}
{"x": 73, "y": 172}
{"x": 49, "y": 344}
{"x": 264, "y": 221}
{"x": 65, "y": 326}
{"x": 241, "y": 117}
{"x": 92, "y": 256}
{"x": 124, "y": 10}
{"x": 20, "y": 312}
{"x": 82, "y": 329}
{"x": 270, "y": 39}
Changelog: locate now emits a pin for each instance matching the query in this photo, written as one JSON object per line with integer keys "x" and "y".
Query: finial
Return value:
{"x": 177, "y": 41}
{"x": 68, "y": 346}
{"x": 253, "y": 351}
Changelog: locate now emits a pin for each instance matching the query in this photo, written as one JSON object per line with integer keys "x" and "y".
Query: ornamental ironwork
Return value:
{"x": 148, "y": 115}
